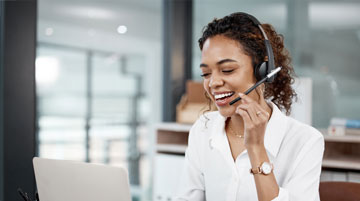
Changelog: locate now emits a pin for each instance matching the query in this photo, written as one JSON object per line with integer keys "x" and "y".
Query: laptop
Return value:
{"x": 59, "y": 180}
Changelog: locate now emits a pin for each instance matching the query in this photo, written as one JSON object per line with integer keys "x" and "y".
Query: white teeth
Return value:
{"x": 223, "y": 95}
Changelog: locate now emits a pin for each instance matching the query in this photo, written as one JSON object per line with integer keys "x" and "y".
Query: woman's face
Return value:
{"x": 227, "y": 70}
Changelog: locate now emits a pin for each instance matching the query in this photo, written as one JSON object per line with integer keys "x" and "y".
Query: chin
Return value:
{"x": 226, "y": 112}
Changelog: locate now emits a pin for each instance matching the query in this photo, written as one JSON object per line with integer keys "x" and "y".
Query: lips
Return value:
{"x": 223, "y": 98}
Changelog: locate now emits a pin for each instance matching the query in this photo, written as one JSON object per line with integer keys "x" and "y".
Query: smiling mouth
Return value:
{"x": 223, "y": 96}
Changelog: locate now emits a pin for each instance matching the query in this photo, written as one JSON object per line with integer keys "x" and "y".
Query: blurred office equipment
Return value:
{"x": 342, "y": 126}
{"x": 59, "y": 180}
{"x": 193, "y": 103}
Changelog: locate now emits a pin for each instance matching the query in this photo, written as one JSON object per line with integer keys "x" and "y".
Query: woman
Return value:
{"x": 248, "y": 150}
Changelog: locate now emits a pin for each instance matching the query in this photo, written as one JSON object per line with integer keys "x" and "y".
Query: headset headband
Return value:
{"x": 270, "y": 62}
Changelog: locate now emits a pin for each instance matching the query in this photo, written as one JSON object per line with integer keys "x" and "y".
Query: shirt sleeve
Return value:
{"x": 191, "y": 185}
{"x": 304, "y": 182}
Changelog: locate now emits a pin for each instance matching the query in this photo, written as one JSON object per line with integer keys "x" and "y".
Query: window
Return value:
{"x": 98, "y": 71}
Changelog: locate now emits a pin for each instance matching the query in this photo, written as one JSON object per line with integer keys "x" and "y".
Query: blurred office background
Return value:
{"x": 100, "y": 71}
{"x": 98, "y": 74}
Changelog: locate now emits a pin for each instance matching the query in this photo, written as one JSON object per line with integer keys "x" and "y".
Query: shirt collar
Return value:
{"x": 218, "y": 135}
{"x": 274, "y": 133}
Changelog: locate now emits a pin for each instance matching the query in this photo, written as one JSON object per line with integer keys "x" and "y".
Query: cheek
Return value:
{"x": 241, "y": 83}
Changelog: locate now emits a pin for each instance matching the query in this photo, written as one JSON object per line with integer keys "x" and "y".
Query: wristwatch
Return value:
{"x": 265, "y": 168}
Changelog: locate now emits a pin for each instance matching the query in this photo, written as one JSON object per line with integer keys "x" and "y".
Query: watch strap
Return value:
{"x": 258, "y": 170}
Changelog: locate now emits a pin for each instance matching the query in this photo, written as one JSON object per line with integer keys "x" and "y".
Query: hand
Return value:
{"x": 255, "y": 119}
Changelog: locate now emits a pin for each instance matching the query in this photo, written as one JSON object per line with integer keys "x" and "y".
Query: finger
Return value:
{"x": 245, "y": 116}
{"x": 261, "y": 112}
{"x": 256, "y": 109}
{"x": 250, "y": 109}
{"x": 245, "y": 98}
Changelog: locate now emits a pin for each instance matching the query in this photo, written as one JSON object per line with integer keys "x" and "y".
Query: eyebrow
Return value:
{"x": 219, "y": 62}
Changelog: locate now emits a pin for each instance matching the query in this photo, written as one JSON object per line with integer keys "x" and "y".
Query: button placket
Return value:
{"x": 242, "y": 164}
{"x": 233, "y": 187}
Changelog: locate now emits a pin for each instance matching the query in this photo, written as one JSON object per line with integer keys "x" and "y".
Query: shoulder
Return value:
{"x": 206, "y": 120}
{"x": 304, "y": 144}
{"x": 203, "y": 125}
{"x": 303, "y": 134}
{"x": 303, "y": 129}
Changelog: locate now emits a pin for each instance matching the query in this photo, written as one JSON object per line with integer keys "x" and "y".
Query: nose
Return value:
{"x": 215, "y": 81}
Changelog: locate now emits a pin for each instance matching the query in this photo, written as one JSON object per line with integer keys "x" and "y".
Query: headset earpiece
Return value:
{"x": 260, "y": 71}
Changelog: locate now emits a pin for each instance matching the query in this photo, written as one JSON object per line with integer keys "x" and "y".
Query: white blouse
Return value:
{"x": 210, "y": 173}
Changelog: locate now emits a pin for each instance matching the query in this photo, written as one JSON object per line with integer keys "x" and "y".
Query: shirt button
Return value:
{"x": 210, "y": 144}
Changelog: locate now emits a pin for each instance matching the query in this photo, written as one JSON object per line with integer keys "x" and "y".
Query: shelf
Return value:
{"x": 174, "y": 127}
{"x": 352, "y": 137}
{"x": 345, "y": 138}
{"x": 350, "y": 163}
{"x": 171, "y": 148}
{"x": 172, "y": 133}
{"x": 341, "y": 152}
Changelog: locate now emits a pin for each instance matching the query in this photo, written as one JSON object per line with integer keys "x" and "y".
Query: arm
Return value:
{"x": 255, "y": 118}
{"x": 303, "y": 183}
{"x": 266, "y": 185}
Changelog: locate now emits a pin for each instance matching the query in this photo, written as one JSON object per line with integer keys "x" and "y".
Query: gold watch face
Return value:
{"x": 266, "y": 168}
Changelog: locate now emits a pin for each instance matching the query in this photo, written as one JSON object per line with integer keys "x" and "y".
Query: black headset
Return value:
{"x": 264, "y": 68}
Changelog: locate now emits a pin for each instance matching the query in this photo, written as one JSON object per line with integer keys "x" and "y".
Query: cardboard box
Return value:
{"x": 192, "y": 104}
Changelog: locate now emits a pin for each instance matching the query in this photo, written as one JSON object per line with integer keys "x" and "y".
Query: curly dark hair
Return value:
{"x": 239, "y": 27}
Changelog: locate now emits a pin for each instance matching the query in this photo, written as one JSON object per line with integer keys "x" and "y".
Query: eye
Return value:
{"x": 227, "y": 71}
{"x": 205, "y": 75}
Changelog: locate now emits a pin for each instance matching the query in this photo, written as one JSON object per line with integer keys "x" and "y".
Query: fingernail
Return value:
{"x": 241, "y": 94}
